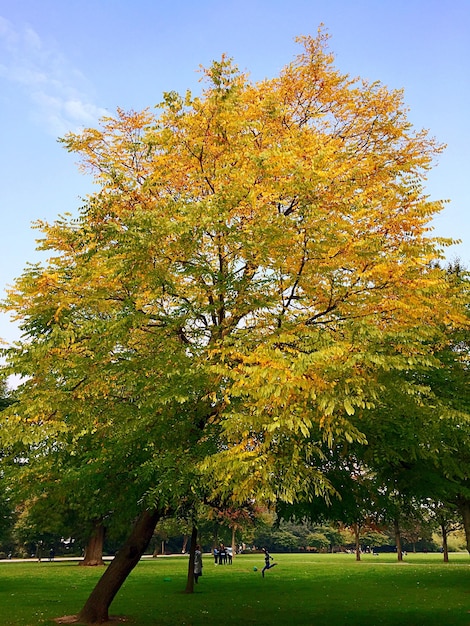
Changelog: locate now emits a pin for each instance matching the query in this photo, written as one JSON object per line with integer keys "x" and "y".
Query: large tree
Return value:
{"x": 252, "y": 259}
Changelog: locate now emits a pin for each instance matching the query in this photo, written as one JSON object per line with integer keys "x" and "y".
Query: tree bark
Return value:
{"x": 94, "y": 549}
{"x": 95, "y": 610}
{"x": 396, "y": 527}
{"x": 445, "y": 548}
{"x": 192, "y": 550}
{"x": 464, "y": 508}
{"x": 234, "y": 542}
{"x": 357, "y": 541}
{"x": 215, "y": 540}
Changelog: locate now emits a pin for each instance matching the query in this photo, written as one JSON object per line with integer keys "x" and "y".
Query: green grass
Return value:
{"x": 303, "y": 590}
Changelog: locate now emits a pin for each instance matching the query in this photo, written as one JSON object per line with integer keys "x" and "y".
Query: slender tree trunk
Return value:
{"x": 357, "y": 540}
{"x": 234, "y": 542}
{"x": 95, "y": 610}
{"x": 192, "y": 550}
{"x": 464, "y": 508}
{"x": 185, "y": 544}
{"x": 396, "y": 527}
{"x": 445, "y": 548}
{"x": 94, "y": 549}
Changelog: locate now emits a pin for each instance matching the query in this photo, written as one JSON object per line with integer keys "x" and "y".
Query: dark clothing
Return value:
{"x": 222, "y": 555}
{"x": 267, "y": 564}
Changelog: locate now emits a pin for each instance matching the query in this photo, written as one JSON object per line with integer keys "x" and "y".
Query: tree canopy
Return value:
{"x": 254, "y": 260}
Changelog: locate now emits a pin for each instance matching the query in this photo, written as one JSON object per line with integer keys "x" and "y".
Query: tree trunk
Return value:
{"x": 185, "y": 544}
{"x": 234, "y": 542}
{"x": 357, "y": 540}
{"x": 95, "y": 610}
{"x": 445, "y": 548}
{"x": 192, "y": 550}
{"x": 398, "y": 540}
{"x": 464, "y": 508}
{"x": 94, "y": 549}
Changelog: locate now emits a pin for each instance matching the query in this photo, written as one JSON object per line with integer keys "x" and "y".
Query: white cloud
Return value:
{"x": 7, "y": 33}
{"x": 32, "y": 39}
{"x": 56, "y": 91}
{"x": 79, "y": 110}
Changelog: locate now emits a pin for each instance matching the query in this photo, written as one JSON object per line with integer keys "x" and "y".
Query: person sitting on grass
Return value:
{"x": 267, "y": 563}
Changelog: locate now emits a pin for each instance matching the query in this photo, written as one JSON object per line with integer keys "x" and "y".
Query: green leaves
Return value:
{"x": 254, "y": 265}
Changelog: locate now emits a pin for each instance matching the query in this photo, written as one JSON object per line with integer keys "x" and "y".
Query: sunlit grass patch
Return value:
{"x": 302, "y": 590}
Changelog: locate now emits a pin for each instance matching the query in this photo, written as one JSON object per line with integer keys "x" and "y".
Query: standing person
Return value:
{"x": 197, "y": 563}
{"x": 222, "y": 555}
{"x": 267, "y": 559}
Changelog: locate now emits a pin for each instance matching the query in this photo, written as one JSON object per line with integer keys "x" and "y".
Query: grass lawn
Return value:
{"x": 303, "y": 590}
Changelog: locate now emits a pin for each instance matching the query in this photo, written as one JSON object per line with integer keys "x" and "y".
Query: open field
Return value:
{"x": 303, "y": 590}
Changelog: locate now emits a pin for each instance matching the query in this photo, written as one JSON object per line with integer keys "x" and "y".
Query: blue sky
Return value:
{"x": 64, "y": 64}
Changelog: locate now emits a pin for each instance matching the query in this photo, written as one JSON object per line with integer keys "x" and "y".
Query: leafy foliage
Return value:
{"x": 255, "y": 262}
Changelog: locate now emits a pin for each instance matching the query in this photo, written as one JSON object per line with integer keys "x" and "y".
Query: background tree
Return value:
{"x": 447, "y": 519}
{"x": 416, "y": 442}
{"x": 172, "y": 527}
{"x": 451, "y": 386}
{"x": 253, "y": 260}
{"x": 418, "y": 433}
{"x": 356, "y": 501}
{"x": 238, "y": 518}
